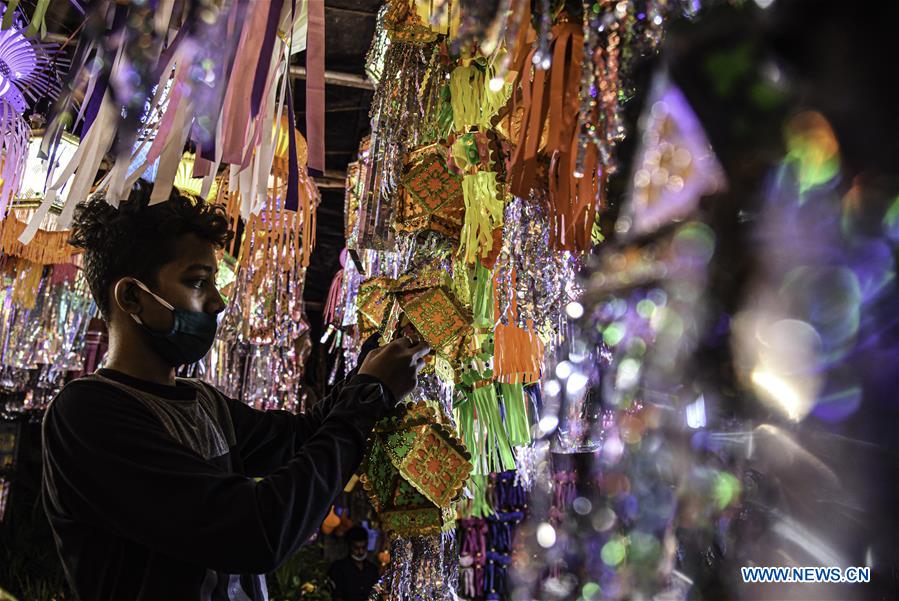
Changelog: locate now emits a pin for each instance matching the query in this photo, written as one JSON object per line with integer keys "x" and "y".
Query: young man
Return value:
{"x": 354, "y": 575}
{"x": 150, "y": 480}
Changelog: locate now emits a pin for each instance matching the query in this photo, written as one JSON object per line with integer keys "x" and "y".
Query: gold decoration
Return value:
{"x": 414, "y": 470}
{"x": 432, "y": 198}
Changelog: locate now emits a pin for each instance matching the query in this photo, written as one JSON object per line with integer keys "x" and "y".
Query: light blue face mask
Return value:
{"x": 190, "y": 337}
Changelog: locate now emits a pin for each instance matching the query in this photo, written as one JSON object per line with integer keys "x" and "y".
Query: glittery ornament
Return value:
{"x": 403, "y": 114}
{"x": 44, "y": 313}
{"x": 674, "y": 166}
{"x": 374, "y": 59}
{"x": 432, "y": 197}
{"x": 422, "y": 568}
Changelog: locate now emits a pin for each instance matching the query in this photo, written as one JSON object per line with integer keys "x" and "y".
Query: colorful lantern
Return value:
{"x": 415, "y": 468}
{"x": 424, "y": 301}
{"x": 432, "y": 198}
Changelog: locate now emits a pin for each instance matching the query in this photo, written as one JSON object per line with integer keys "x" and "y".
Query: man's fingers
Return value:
{"x": 421, "y": 349}
{"x": 399, "y": 343}
{"x": 373, "y": 353}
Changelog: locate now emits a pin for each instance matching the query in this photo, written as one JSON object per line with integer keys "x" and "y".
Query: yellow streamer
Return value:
{"x": 483, "y": 214}
{"x": 493, "y": 100}
{"x": 466, "y": 89}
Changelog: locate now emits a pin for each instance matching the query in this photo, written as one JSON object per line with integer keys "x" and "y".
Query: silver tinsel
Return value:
{"x": 422, "y": 568}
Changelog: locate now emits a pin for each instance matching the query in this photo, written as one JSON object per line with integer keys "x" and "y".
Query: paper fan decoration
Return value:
{"x": 14, "y": 133}
{"x": 28, "y": 69}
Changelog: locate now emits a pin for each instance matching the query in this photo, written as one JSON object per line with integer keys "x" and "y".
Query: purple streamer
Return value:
{"x": 293, "y": 173}
{"x": 268, "y": 43}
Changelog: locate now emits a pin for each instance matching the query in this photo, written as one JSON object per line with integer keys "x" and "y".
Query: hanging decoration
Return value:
{"x": 487, "y": 537}
{"x": 44, "y": 315}
{"x": 674, "y": 166}
{"x": 264, "y": 341}
{"x": 468, "y": 214}
{"x": 191, "y": 87}
{"x": 14, "y": 133}
{"x": 414, "y": 470}
{"x": 39, "y": 170}
{"x": 29, "y": 70}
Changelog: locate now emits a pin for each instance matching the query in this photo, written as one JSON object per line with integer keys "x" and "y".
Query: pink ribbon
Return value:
{"x": 315, "y": 86}
{"x": 238, "y": 98}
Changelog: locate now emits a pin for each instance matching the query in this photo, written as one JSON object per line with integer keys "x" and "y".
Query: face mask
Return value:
{"x": 359, "y": 556}
{"x": 190, "y": 338}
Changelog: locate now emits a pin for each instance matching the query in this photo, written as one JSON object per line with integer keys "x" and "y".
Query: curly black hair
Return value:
{"x": 356, "y": 533}
{"x": 136, "y": 239}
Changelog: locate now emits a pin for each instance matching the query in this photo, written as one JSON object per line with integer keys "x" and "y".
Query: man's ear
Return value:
{"x": 125, "y": 295}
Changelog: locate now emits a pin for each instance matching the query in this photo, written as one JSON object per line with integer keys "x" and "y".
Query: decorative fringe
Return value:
{"x": 464, "y": 414}
{"x": 483, "y": 214}
{"x": 516, "y": 412}
{"x": 271, "y": 242}
{"x": 482, "y": 297}
{"x": 47, "y": 247}
{"x": 517, "y": 353}
{"x": 492, "y": 101}
{"x": 466, "y": 91}
{"x": 294, "y": 229}
{"x": 14, "y": 138}
{"x": 472, "y": 556}
{"x": 333, "y": 298}
{"x": 549, "y": 105}
{"x": 474, "y": 102}
{"x": 421, "y": 567}
{"x": 497, "y": 446}
{"x": 479, "y": 505}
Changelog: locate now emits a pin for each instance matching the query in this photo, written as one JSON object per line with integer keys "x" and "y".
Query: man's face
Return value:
{"x": 358, "y": 548}
{"x": 187, "y": 282}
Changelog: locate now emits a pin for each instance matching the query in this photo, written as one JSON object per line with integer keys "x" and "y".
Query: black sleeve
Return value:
{"x": 266, "y": 440}
{"x": 113, "y": 465}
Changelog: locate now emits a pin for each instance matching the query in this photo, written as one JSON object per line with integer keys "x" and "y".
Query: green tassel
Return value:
{"x": 516, "y": 414}
{"x": 464, "y": 410}
{"x": 37, "y": 19}
{"x": 445, "y": 114}
{"x": 482, "y": 297}
{"x": 480, "y": 508}
{"x": 492, "y": 101}
{"x": 11, "y": 7}
{"x": 483, "y": 213}
{"x": 499, "y": 452}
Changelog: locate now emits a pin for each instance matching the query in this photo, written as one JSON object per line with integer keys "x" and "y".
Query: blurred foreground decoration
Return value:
{"x": 741, "y": 340}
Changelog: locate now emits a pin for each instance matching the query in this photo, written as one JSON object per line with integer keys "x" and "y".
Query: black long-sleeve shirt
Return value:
{"x": 151, "y": 492}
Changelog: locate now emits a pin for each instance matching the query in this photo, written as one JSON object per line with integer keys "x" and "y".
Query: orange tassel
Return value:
{"x": 517, "y": 353}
